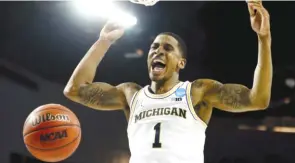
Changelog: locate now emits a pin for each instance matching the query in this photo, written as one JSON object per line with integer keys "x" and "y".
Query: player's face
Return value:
{"x": 164, "y": 58}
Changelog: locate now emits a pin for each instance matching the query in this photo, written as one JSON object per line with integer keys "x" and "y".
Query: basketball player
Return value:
{"x": 168, "y": 118}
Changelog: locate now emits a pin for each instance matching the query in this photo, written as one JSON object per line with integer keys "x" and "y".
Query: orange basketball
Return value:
{"x": 52, "y": 133}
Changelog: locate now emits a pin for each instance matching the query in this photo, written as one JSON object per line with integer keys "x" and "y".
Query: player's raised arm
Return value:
{"x": 80, "y": 87}
{"x": 238, "y": 98}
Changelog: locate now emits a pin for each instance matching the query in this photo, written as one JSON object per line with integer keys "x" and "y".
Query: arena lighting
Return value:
{"x": 290, "y": 82}
{"x": 284, "y": 129}
{"x": 104, "y": 9}
{"x": 258, "y": 128}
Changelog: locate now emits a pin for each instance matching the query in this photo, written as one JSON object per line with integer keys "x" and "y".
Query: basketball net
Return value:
{"x": 145, "y": 2}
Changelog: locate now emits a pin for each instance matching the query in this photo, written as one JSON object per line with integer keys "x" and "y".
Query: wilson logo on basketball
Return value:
{"x": 53, "y": 136}
{"x": 49, "y": 117}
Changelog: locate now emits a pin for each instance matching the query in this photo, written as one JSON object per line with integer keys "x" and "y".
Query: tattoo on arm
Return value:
{"x": 94, "y": 94}
{"x": 232, "y": 95}
{"x": 105, "y": 96}
{"x": 90, "y": 94}
{"x": 224, "y": 96}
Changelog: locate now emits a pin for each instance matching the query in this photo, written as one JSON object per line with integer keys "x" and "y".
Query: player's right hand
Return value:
{"x": 112, "y": 31}
{"x": 259, "y": 17}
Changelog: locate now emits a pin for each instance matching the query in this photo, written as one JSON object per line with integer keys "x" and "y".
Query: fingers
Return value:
{"x": 259, "y": 12}
{"x": 113, "y": 25}
{"x": 264, "y": 13}
{"x": 254, "y": 1}
{"x": 265, "y": 18}
{"x": 254, "y": 9}
{"x": 253, "y": 5}
{"x": 259, "y": 17}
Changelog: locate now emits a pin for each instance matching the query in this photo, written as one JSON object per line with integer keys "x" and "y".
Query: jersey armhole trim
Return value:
{"x": 133, "y": 104}
{"x": 191, "y": 107}
{"x": 132, "y": 100}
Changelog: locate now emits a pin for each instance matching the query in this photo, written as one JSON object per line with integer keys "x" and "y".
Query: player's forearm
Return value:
{"x": 86, "y": 69}
{"x": 261, "y": 90}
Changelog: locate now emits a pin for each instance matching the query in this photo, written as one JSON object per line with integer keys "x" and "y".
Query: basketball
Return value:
{"x": 52, "y": 133}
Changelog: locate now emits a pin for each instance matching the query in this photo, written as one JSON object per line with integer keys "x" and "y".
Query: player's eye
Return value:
{"x": 154, "y": 46}
{"x": 168, "y": 47}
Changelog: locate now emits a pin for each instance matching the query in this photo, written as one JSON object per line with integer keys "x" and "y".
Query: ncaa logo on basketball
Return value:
{"x": 180, "y": 92}
{"x": 50, "y": 117}
{"x": 53, "y": 136}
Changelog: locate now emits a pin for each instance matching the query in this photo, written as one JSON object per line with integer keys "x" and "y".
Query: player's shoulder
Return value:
{"x": 203, "y": 83}
{"x": 130, "y": 90}
{"x": 129, "y": 87}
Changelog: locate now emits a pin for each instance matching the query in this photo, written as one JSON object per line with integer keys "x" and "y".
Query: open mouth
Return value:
{"x": 158, "y": 66}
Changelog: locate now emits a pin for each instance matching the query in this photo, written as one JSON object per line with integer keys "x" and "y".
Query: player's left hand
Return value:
{"x": 259, "y": 17}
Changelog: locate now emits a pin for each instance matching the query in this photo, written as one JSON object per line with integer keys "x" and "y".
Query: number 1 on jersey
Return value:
{"x": 157, "y": 129}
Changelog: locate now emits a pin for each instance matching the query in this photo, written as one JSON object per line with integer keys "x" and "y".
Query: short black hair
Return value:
{"x": 180, "y": 41}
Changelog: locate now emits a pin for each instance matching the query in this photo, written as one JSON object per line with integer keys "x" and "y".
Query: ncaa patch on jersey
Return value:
{"x": 180, "y": 92}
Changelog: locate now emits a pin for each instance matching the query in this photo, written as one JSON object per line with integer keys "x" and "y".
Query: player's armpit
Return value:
{"x": 101, "y": 96}
{"x": 229, "y": 97}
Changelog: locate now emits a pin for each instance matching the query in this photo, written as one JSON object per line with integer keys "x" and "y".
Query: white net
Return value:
{"x": 145, "y": 2}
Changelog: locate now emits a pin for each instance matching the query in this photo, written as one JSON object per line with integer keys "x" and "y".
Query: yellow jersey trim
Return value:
{"x": 133, "y": 103}
{"x": 190, "y": 104}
